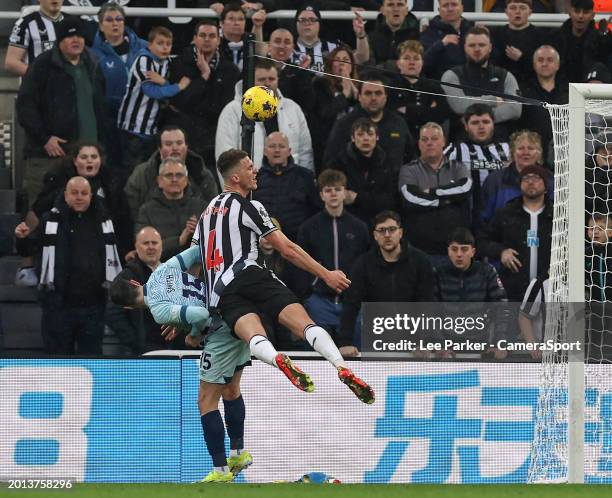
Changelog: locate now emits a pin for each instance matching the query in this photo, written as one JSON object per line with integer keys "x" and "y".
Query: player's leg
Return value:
{"x": 233, "y": 404}
{"x": 214, "y": 431}
{"x": 250, "y": 329}
{"x": 295, "y": 318}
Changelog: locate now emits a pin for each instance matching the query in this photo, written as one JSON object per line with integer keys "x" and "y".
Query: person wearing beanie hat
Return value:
{"x": 535, "y": 169}
{"x": 515, "y": 42}
{"x": 69, "y": 27}
{"x": 520, "y": 234}
{"x": 579, "y": 43}
{"x": 61, "y": 100}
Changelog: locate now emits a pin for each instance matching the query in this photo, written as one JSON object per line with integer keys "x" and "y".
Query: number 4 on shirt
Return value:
{"x": 213, "y": 256}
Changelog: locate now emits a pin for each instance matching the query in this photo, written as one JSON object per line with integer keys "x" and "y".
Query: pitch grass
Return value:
{"x": 317, "y": 491}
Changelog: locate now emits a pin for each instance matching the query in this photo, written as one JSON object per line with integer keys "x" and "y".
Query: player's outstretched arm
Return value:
{"x": 293, "y": 253}
{"x": 196, "y": 318}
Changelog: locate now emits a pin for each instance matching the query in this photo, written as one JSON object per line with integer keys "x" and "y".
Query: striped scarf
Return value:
{"x": 47, "y": 274}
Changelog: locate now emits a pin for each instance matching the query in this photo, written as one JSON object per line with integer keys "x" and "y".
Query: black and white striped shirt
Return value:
{"x": 138, "y": 113}
{"x": 228, "y": 233}
{"x": 481, "y": 159}
{"x": 34, "y": 32}
{"x": 317, "y": 52}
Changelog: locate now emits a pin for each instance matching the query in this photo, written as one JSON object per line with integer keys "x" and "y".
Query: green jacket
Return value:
{"x": 142, "y": 183}
{"x": 168, "y": 217}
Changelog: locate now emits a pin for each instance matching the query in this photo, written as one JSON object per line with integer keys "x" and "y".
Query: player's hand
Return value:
{"x": 203, "y": 65}
{"x": 169, "y": 332}
{"x": 454, "y": 39}
{"x": 53, "y": 146}
{"x": 510, "y": 260}
{"x": 156, "y": 78}
{"x": 193, "y": 341}
{"x": 337, "y": 280}
{"x": 22, "y": 230}
{"x": 513, "y": 53}
{"x": 348, "y": 351}
{"x": 259, "y": 18}
{"x": 358, "y": 25}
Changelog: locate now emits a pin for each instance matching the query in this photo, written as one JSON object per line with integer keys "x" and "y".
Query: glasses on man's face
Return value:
{"x": 307, "y": 20}
{"x": 531, "y": 178}
{"x": 386, "y": 230}
{"x": 116, "y": 19}
{"x": 170, "y": 176}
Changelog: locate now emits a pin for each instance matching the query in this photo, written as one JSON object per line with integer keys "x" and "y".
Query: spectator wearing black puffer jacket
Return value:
{"x": 444, "y": 39}
{"x": 334, "y": 238}
{"x": 391, "y": 271}
{"x": 463, "y": 280}
{"x": 393, "y": 26}
{"x": 286, "y": 189}
{"x": 371, "y": 182}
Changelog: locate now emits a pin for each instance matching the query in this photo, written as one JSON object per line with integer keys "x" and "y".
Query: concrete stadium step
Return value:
{"x": 21, "y": 326}
{"x": 7, "y": 201}
{"x": 8, "y": 222}
{"x": 8, "y": 269}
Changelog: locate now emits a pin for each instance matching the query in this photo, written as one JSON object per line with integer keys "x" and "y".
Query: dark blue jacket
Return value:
{"x": 335, "y": 242}
{"x": 289, "y": 194}
{"x": 114, "y": 69}
{"x": 478, "y": 284}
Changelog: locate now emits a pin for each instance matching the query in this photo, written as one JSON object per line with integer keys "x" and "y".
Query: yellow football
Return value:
{"x": 259, "y": 103}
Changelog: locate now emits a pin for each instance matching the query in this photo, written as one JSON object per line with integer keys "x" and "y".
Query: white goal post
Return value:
{"x": 581, "y": 130}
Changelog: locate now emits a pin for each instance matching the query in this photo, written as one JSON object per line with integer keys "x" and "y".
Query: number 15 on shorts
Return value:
{"x": 205, "y": 360}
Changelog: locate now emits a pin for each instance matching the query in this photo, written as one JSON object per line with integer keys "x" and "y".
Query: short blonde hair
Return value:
{"x": 532, "y": 137}
{"x": 410, "y": 46}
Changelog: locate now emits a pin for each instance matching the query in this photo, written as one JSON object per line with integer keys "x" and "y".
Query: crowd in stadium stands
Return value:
{"x": 425, "y": 180}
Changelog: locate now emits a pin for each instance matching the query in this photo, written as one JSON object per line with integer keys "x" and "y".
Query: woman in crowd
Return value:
{"x": 333, "y": 97}
{"x": 86, "y": 160}
{"x": 504, "y": 185}
{"x": 116, "y": 47}
{"x": 416, "y": 103}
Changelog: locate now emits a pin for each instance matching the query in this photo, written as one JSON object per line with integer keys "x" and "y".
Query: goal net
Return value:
{"x": 573, "y": 430}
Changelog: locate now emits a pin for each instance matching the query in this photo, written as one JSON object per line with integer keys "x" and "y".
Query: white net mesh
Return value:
{"x": 549, "y": 454}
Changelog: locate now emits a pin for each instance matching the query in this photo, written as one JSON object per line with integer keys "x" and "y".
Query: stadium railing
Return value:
{"x": 488, "y": 18}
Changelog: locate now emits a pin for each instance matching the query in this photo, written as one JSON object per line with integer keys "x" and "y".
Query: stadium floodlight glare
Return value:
{"x": 559, "y": 452}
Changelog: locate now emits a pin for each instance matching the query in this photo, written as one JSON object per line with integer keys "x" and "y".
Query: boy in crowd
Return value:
{"x": 148, "y": 86}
